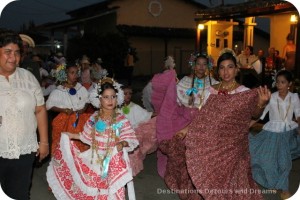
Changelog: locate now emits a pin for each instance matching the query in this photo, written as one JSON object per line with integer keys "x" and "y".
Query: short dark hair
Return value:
{"x": 287, "y": 74}
{"x": 9, "y": 36}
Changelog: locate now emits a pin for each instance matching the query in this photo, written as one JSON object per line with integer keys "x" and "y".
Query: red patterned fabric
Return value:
{"x": 217, "y": 149}
{"x": 176, "y": 177}
{"x": 146, "y": 135}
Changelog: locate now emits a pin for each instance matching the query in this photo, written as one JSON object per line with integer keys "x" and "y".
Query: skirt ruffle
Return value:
{"x": 146, "y": 135}
{"x": 71, "y": 175}
{"x": 271, "y": 157}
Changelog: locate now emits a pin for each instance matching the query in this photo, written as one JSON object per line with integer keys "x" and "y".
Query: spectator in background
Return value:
{"x": 278, "y": 61}
{"x": 26, "y": 61}
{"x": 251, "y": 68}
{"x": 43, "y": 72}
{"x": 270, "y": 59}
{"x": 129, "y": 65}
{"x": 98, "y": 71}
{"x": 249, "y": 61}
{"x": 85, "y": 72}
{"x": 262, "y": 58}
{"x": 60, "y": 59}
{"x": 289, "y": 53}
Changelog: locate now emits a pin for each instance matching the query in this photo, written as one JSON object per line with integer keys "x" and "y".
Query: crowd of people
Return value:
{"x": 98, "y": 137}
{"x": 261, "y": 69}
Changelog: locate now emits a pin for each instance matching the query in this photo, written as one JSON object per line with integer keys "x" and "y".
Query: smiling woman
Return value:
{"x": 23, "y": 111}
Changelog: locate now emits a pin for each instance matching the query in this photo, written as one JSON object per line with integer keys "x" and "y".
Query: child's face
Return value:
{"x": 200, "y": 67}
{"x": 282, "y": 84}
{"x": 127, "y": 95}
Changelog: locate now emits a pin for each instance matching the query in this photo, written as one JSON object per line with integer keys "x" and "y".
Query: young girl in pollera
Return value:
{"x": 273, "y": 149}
{"x": 102, "y": 171}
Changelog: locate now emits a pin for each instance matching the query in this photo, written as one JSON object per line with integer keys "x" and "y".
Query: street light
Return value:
{"x": 199, "y": 28}
{"x": 293, "y": 20}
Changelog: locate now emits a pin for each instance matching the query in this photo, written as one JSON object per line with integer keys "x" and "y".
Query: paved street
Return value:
{"x": 148, "y": 185}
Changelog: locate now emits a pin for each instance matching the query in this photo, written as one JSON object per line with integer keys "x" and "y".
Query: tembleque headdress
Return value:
{"x": 228, "y": 50}
{"x": 95, "y": 93}
{"x": 195, "y": 56}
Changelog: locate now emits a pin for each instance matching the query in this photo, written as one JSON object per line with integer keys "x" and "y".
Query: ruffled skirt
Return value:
{"x": 72, "y": 175}
{"x": 146, "y": 135}
{"x": 271, "y": 157}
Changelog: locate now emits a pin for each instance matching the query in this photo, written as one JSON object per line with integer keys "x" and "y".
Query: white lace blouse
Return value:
{"x": 281, "y": 112}
{"x": 61, "y": 98}
{"x": 19, "y": 97}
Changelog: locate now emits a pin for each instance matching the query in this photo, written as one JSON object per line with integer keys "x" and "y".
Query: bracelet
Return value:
{"x": 260, "y": 107}
{"x": 44, "y": 143}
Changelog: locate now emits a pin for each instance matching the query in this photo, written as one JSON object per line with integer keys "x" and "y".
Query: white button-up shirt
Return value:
{"x": 281, "y": 112}
{"x": 19, "y": 96}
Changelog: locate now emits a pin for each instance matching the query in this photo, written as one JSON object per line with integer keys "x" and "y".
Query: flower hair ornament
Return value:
{"x": 194, "y": 56}
{"x": 228, "y": 50}
{"x": 95, "y": 94}
{"x": 60, "y": 73}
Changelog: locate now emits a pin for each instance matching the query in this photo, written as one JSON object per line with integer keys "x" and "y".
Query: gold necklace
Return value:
{"x": 110, "y": 139}
{"x": 283, "y": 119}
{"x": 227, "y": 89}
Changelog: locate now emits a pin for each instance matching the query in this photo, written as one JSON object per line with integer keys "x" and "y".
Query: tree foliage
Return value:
{"x": 112, "y": 48}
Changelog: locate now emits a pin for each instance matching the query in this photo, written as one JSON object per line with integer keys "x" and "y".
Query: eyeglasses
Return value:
{"x": 107, "y": 97}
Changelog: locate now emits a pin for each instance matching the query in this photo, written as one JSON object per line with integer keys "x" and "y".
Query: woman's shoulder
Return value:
{"x": 25, "y": 75}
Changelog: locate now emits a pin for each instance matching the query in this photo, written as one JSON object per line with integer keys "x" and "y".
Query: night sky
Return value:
{"x": 21, "y": 12}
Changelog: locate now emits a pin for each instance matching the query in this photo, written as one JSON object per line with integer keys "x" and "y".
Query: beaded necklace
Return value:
{"x": 100, "y": 126}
